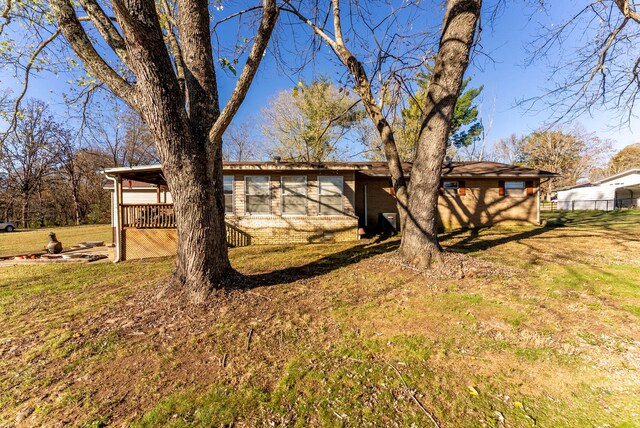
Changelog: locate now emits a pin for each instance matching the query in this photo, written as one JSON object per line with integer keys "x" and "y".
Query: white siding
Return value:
{"x": 136, "y": 196}
{"x": 600, "y": 196}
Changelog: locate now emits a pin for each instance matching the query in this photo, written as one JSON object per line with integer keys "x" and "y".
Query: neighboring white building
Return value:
{"x": 618, "y": 191}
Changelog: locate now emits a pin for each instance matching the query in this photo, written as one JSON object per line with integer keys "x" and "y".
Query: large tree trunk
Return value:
{"x": 202, "y": 261}
{"x": 181, "y": 110}
{"x": 191, "y": 162}
{"x": 420, "y": 239}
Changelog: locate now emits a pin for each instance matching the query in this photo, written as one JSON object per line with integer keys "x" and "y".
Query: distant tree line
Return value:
{"x": 576, "y": 155}
{"x": 51, "y": 172}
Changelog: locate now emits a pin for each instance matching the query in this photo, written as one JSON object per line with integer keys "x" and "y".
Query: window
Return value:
{"x": 450, "y": 187}
{"x": 514, "y": 188}
{"x": 258, "y": 195}
{"x": 228, "y": 194}
{"x": 330, "y": 195}
{"x": 294, "y": 195}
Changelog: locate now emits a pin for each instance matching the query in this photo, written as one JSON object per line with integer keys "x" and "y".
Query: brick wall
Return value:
{"x": 480, "y": 206}
{"x": 296, "y": 229}
{"x": 276, "y": 228}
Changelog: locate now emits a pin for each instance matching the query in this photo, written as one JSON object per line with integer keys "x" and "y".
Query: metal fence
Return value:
{"x": 590, "y": 204}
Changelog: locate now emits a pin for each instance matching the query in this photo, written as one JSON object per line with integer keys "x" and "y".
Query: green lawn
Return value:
{"x": 525, "y": 327}
{"x": 23, "y": 241}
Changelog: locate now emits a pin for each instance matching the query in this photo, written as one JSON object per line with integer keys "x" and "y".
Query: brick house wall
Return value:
{"x": 480, "y": 200}
{"x": 481, "y": 205}
{"x": 278, "y": 228}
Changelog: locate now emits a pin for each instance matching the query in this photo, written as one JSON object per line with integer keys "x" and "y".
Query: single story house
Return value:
{"x": 289, "y": 202}
{"x": 620, "y": 190}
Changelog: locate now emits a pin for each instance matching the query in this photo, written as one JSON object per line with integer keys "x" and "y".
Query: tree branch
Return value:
{"x": 626, "y": 10}
{"x": 269, "y": 18}
{"x": 175, "y": 47}
{"x": 25, "y": 85}
{"x": 81, "y": 44}
{"x": 108, "y": 31}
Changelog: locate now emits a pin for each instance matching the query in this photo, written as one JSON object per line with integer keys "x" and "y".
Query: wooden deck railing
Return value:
{"x": 162, "y": 216}
{"x": 236, "y": 237}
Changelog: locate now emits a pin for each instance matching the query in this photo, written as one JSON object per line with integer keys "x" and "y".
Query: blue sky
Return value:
{"x": 505, "y": 77}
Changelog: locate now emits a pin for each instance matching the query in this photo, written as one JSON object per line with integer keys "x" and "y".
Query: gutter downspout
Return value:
{"x": 366, "y": 211}
{"x": 117, "y": 216}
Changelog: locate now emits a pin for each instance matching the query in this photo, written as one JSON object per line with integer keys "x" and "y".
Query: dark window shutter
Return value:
{"x": 529, "y": 186}
{"x": 501, "y": 188}
{"x": 461, "y": 188}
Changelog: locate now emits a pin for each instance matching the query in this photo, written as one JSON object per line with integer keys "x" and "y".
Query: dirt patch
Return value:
{"x": 459, "y": 266}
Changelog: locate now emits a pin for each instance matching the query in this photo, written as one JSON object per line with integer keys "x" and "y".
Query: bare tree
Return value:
{"x": 573, "y": 153}
{"x": 509, "y": 150}
{"x": 479, "y": 150}
{"x": 603, "y": 72}
{"x": 158, "y": 58}
{"x": 417, "y": 205}
{"x": 30, "y": 153}
{"x": 383, "y": 44}
{"x": 78, "y": 171}
{"x": 239, "y": 144}
{"x": 122, "y": 139}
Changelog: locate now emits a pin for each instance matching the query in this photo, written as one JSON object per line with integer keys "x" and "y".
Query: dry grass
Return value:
{"x": 23, "y": 241}
{"x": 540, "y": 328}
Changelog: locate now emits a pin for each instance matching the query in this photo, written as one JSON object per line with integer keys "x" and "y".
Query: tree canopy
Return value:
{"x": 466, "y": 126}
{"x": 307, "y": 124}
{"x": 573, "y": 154}
{"x": 627, "y": 158}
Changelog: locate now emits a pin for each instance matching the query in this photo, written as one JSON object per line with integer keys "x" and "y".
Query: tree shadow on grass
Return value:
{"x": 480, "y": 239}
{"x": 322, "y": 266}
{"x": 473, "y": 242}
{"x": 470, "y": 240}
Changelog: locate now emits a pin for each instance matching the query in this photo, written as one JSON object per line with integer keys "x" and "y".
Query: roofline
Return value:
{"x": 620, "y": 174}
{"x": 121, "y": 169}
{"x": 367, "y": 167}
{"x": 253, "y": 166}
{"x": 493, "y": 174}
{"x": 150, "y": 187}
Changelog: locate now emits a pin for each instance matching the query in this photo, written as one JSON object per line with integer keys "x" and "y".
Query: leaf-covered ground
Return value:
{"x": 523, "y": 327}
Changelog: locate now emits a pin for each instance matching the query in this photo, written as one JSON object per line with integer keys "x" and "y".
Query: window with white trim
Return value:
{"x": 514, "y": 188}
{"x": 450, "y": 187}
{"x": 257, "y": 194}
{"x": 330, "y": 191}
{"x": 294, "y": 194}
{"x": 228, "y": 194}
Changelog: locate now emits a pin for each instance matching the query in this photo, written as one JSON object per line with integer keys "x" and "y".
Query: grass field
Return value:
{"x": 23, "y": 241}
{"x": 524, "y": 327}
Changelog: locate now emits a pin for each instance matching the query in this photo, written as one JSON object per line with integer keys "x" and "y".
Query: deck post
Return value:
{"x": 119, "y": 218}
{"x": 538, "y": 204}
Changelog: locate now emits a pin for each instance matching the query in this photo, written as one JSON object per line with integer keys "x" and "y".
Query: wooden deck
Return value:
{"x": 162, "y": 216}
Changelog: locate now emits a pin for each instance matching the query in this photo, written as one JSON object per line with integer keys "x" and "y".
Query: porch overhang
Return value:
{"x": 146, "y": 174}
